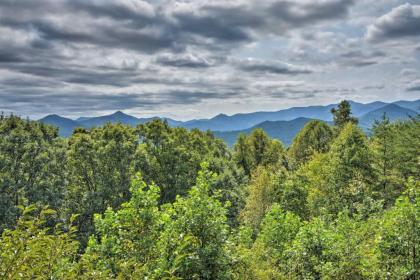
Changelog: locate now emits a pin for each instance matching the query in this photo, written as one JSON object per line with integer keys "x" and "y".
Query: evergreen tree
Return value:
{"x": 342, "y": 114}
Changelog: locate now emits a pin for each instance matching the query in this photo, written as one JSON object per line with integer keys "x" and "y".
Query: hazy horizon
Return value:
{"x": 196, "y": 59}
{"x": 188, "y": 119}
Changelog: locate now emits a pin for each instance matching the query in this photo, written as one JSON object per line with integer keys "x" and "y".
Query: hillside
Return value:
{"x": 392, "y": 111}
{"x": 65, "y": 125}
{"x": 227, "y": 127}
{"x": 413, "y": 105}
{"x": 284, "y": 131}
{"x": 223, "y": 122}
{"x": 117, "y": 117}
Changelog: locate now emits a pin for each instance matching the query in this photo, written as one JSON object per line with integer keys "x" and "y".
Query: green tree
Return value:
{"x": 100, "y": 165}
{"x": 231, "y": 183}
{"x": 171, "y": 157}
{"x": 315, "y": 137}
{"x": 383, "y": 146}
{"x": 278, "y": 230}
{"x": 408, "y": 148}
{"x": 34, "y": 251}
{"x": 343, "y": 178}
{"x": 306, "y": 253}
{"x": 342, "y": 114}
{"x": 31, "y": 167}
{"x": 258, "y": 149}
{"x": 242, "y": 154}
{"x": 293, "y": 193}
{"x": 399, "y": 237}
{"x": 263, "y": 192}
{"x": 125, "y": 240}
{"x": 193, "y": 242}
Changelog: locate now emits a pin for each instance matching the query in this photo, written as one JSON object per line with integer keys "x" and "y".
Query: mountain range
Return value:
{"x": 282, "y": 124}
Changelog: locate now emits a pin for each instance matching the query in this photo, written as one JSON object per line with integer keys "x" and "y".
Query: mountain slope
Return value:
{"x": 120, "y": 117}
{"x": 412, "y": 105}
{"x": 392, "y": 111}
{"x": 243, "y": 121}
{"x": 247, "y": 120}
{"x": 117, "y": 117}
{"x": 281, "y": 130}
{"x": 366, "y": 113}
{"x": 65, "y": 125}
{"x": 359, "y": 109}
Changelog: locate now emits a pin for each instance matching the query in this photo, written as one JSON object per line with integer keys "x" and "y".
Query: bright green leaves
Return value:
{"x": 186, "y": 239}
{"x": 171, "y": 157}
{"x": 196, "y": 230}
{"x": 342, "y": 178}
{"x": 125, "y": 240}
{"x": 33, "y": 250}
{"x": 262, "y": 193}
{"x": 100, "y": 164}
{"x": 315, "y": 137}
{"x": 258, "y": 149}
{"x": 398, "y": 238}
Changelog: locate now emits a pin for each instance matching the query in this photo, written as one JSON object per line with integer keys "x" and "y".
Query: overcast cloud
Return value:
{"x": 197, "y": 58}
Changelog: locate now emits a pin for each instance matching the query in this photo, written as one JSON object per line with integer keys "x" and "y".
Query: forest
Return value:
{"x": 156, "y": 202}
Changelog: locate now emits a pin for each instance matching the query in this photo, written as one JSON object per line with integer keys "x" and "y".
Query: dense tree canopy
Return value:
{"x": 315, "y": 137}
{"x": 157, "y": 202}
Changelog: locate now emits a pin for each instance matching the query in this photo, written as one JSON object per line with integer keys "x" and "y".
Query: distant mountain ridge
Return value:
{"x": 66, "y": 125}
{"x": 284, "y": 131}
{"x": 393, "y": 111}
{"x": 278, "y": 124}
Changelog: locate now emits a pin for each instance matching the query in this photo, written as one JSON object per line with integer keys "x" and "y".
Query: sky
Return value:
{"x": 198, "y": 58}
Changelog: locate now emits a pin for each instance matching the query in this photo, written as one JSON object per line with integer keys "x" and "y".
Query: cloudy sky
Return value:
{"x": 197, "y": 58}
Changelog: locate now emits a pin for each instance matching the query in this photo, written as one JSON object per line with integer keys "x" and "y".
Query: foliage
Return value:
{"x": 258, "y": 149}
{"x": 341, "y": 179}
{"x": 32, "y": 250}
{"x": 31, "y": 160}
{"x": 342, "y": 114}
{"x": 398, "y": 239}
{"x": 338, "y": 204}
{"x": 315, "y": 137}
{"x": 125, "y": 240}
{"x": 171, "y": 157}
{"x": 192, "y": 243}
{"x": 278, "y": 230}
{"x": 100, "y": 164}
{"x": 262, "y": 194}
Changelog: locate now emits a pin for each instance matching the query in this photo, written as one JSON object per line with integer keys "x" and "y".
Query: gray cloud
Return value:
{"x": 295, "y": 13}
{"x": 41, "y": 101}
{"x": 270, "y": 67}
{"x": 402, "y": 21}
{"x": 413, "y": 86}
{"x": 147, "y": 27}
{"x": 100, "y": 55}
{"x": 409, "y": 72}
{"x": 374, "y": 87}
{"x": 185, "y": 60}
{"x": 358, "y": 58}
